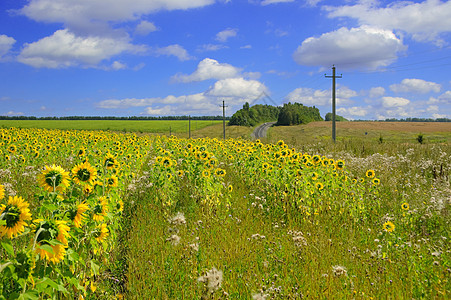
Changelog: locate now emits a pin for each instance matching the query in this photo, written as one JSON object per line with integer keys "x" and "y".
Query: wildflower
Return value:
{"x": 101, "y": 233}
{"x": 84, "y": 173}
{"x": 212, "y": 281}
{"x": 14, "y": 213}
{"x": 54, "y": 178}
{"x": 405, "y": 206}
{"x": 389, "y": 226}
{"x": 47, "y": 231}
{"x": 339, "y": 271}
{"x": 100, "y": 209}
{"x": 173, "y": 239}
{"x": 178, "y": 219}
{"x": 260, "y": 296}
{"x": 77, "y": 215}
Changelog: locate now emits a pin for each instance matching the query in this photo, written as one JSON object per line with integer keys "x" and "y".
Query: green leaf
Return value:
{"x": 47, "y": 248}
{"x": 29, "y": 295}
{"x": 8, "y": 248}
{"x": 95, "y": 268}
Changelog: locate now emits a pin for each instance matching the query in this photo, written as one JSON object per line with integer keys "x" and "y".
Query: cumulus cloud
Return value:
{"x": 309, "y": 97}
{"x": 363, "y": 47}
{"x": 145, "y": 27}
{"x": 173, "y": 50}
{"x": 65, "y": 49}
{"x": 352, "y": 112}
{"x": 415, "y": 86}
{"x": 209, "y": 69}
{"x": 425, "y": 21}
{"x": 235, "y": 91}
{"x": 376, "y": 92}
{"x": 224, "y": 35}
{"x": 76, "y": 14}
{"x": 211, "y": 47}
{"x": 392, "y": 102}
{"x": 6, "y": 43}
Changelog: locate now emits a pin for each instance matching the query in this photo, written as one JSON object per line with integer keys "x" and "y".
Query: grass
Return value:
{"x": 295, "y": 256}
{"x": 147, "y": 126}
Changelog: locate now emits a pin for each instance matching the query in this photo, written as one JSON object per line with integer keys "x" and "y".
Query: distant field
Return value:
{"x": 405, "y": 132}
{"x": 150, "y": 126}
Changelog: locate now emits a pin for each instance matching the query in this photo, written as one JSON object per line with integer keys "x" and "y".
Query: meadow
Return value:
{"x": 96, "y": 214}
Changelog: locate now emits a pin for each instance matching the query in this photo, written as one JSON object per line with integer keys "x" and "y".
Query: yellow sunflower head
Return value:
{"x": 54, "y": 178}
{"x": 405, "y": 206}
{"x": 14, "y": 214}
{"x": 84, "y": 173}
{"x": 47, "y": 231}
{"x": 370, "y": 174}
{"x": 110, "y": 161}
{"x": 112, "y": 181}
{"x": 2, "y": 191}
{"x": 101, "y": 233}
{"x": 389, "y": 226}
{"x": 220, "y": 172}
{"x": 100, "y": 209}
{"x": 77, "y": 214}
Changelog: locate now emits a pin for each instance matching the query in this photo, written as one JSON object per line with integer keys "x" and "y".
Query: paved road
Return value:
{"x": 260, "y": 131}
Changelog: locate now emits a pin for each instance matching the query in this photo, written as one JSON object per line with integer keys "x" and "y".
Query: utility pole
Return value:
{"x": 223, "y": 118}
{"x": 189, "y": 126}
{"x": 333, "y": 99}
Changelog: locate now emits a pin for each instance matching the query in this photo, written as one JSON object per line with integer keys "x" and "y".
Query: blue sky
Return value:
{"x": 184, "y": 57}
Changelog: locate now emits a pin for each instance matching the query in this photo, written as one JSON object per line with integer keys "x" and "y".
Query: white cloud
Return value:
{"x": 415, "y": 86}
{"x": 239, "y": 89}
{"x": 235, "y": 91}
{"x": 309, "y": 97}
{"x": 174, "y": 50}
{"x": 117, "y": 65}
{"x": 424, "y": 21}
{"x": 14, "y": 113}
{"x": 145, "y": 27}
{"x": 6, "y": 43}
{"x": 352, "y": 112}
{"x": 445, "y": 97}
{"x": 65, "y": 49}
{"x": 79, "y": 14}
{"x": 224, "y": 35}
{"x": 376, "y": 92}
{"x": 439, "y": 116}
{"x": 363, "y": 47}
{"x": 267, "y": 2}
{"x": 390, "y": 102}
{"x": 209, "y": 69}
{"x": 432, "y": 109}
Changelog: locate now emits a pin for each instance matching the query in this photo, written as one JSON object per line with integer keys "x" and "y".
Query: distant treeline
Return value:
{"x": 288, "y": 114}
{"x": 418, "y": 120}
{"x": 134, "y": 118}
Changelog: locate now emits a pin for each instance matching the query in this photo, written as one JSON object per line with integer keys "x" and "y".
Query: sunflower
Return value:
{"x": 47, "y": 231}
{"x": 120, "y": 205}
{"x": 389, "y": 226}
{"x": 14, "y": 213}
{"x": 376, "y": 181}
{"x": 100, "y": 209}
{"x": 12, "y": 148}
{"x": 220, "y": 172}
{"x": 405, "y": 206}
{"x": 81, "y": 152}
{"x": 180, "y": 173}
{"x": 77, "y": 214}
{"x": 110, "y": 161}
{"x": 54, "y": 178}
{"x": 230, "y": 188}
{"x": 112, "y": 181}
{"x": 84, "y": 173}
{"x": 205, "y": 173}
{"x": 319, "y": 186}
{"x": 2, "y": 191}
{"x": 24, "y": 265}
{"x": 101, "y": 233}
{"x": 370, "y": 174}
{"x": 340, "y": 164}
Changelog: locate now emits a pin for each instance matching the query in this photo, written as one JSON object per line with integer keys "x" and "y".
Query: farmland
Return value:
{"x": 146, "y": 216}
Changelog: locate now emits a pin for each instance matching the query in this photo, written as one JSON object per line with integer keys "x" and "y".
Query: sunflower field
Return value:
{"x": 94, "y": 214}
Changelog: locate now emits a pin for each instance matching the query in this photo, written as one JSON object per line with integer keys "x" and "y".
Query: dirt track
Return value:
{"x": 420, "y": 127}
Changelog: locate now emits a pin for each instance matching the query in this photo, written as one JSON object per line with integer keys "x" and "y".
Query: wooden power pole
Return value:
{"x": 223, "y": 118}
{"x": 333, "y": 100}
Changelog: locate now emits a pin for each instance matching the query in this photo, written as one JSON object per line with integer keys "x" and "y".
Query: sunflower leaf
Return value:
{"x": 8, "y": 248}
